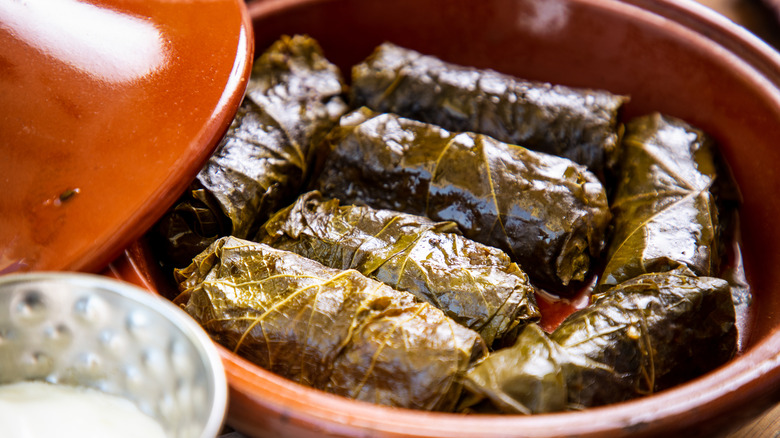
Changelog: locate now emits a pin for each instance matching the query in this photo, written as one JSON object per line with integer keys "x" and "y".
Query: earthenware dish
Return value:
{"x": 108, "y": 109}
{"x": 675, "y": 57}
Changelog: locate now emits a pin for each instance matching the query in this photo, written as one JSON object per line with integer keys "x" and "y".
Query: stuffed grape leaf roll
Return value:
{"x": 474, "y": 284}
{"x": 579, "y": 124}
{"x": 664, "y": 213}
{"x": 294, "y": 97}
{"x": 330, "y": 329}
{"x": 548, "y": 213}
{"x": 642, "y": 336}
{"x": 526, "y": 378}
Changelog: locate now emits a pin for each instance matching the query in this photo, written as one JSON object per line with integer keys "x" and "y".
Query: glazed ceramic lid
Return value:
{"x": 108, "y": 108}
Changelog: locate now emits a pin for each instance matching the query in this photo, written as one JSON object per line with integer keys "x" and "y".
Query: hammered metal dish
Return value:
{"x": 91, "y": 331}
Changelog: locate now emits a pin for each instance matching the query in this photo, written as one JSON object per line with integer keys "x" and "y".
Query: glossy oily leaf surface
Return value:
{"x": 665, "y": 214}
{"x": 642, "y": 336}
{"x": 476, "y": 285}
{"x": 576, "y": 123}
{"x": 293, "y": 99}
{"x": 334, "y": 330}
{"x": 548, "y": 213}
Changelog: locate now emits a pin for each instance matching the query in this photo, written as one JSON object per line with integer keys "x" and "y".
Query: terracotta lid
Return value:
{"x": 108, "y": 108}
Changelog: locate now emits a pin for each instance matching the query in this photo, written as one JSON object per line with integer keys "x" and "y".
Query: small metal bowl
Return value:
{"x": 91, "y": 331}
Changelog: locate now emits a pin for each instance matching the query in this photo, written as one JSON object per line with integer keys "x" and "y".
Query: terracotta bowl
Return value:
{"x": 670, "y": 56}
{"x": 108, "y": 109}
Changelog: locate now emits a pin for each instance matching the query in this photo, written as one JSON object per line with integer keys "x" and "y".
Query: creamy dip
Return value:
{"x": 38, "y": 409}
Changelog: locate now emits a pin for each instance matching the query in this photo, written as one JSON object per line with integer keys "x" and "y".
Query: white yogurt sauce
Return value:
{"x": 38, "y": 409}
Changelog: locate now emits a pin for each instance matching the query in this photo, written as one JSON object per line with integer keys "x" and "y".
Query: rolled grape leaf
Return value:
{"x": 527, "y": 378}
{"x": 664, "y": 214}
{"x": 293, "y": 98}
{"x": 548, "y": 213}
{"x": 642, "y": 336}
{"x": 474, "y": 284}
{"x": 579, "y": 124}
{"x": 652, "y": 332}
{"x": 330, "y": 329}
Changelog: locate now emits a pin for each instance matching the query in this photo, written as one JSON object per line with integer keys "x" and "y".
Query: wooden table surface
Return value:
{"x": 764, "y": 23}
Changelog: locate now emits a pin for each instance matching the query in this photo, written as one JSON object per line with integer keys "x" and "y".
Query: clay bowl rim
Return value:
{"x": 752, "y": 378}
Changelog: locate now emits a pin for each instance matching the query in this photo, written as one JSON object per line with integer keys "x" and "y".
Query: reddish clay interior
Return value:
{"x": 664, "y": 67}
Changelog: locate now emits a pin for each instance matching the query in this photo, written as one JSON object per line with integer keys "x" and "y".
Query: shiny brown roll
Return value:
{"x": 576, "y": 123}
{"x": 330, "y": 329}
{"x": 474, "y": 284}
{"x": 548, "y": 213}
